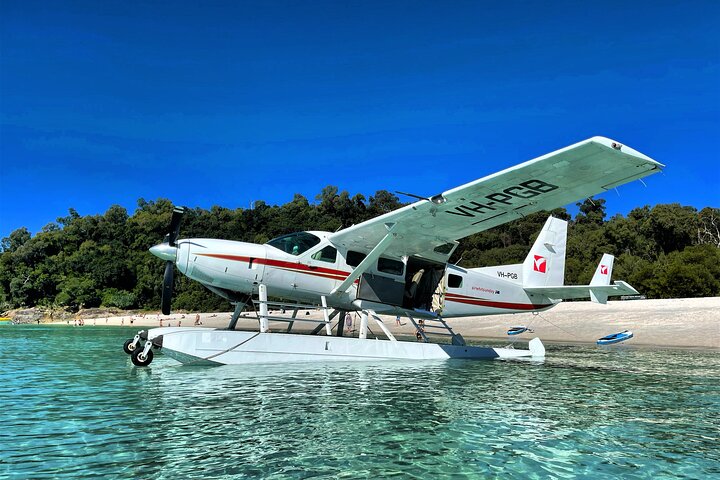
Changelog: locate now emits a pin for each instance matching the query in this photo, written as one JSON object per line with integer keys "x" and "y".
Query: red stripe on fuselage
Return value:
{"x": 454, "y": 297}
{"x": 291, "y": 266}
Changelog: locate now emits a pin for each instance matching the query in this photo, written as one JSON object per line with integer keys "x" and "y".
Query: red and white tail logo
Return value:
{"x": 603, "y": 269}
{"x": 540, "y": 264}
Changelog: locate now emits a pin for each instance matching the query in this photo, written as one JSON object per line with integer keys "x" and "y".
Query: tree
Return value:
{"x": 672, "y": 226}
{"x": 383, "y": 202}
{"x": 708, "y": 231}
{"x": 78, "y": 292}
{"x": 592, "y": 211}
{"x": 694, "y": 272}
{"x": 15, "y": 240}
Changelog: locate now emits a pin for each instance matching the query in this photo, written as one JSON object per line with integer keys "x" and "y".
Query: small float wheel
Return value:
{"x": 128, "y": 346}
{"x": 140, "y": 360}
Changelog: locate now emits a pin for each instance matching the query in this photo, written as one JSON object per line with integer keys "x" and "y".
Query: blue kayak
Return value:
{"x": 518, "y": 330}
{"x": 615, "y": 338}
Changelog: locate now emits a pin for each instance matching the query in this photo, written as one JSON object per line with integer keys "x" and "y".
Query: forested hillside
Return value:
{"x": 664, "y": 251}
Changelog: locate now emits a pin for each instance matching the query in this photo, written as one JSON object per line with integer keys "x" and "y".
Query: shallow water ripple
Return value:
{"x": 72, "y": 406}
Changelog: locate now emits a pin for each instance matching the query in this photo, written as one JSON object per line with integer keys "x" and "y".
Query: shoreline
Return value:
{"x": 687, "y": 323}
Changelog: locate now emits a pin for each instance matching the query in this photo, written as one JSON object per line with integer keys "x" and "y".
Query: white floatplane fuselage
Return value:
{"x": 398, "y": 264}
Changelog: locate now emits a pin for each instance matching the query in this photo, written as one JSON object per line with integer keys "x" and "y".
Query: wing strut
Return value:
{"x": 369, "y": 260}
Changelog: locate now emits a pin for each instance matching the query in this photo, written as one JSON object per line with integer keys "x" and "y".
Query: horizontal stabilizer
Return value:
{"x": 597, "y": 293}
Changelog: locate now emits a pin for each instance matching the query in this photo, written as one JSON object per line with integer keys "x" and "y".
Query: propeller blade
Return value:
{"x": 167, "y": 287}
{"x": 175, "y": 225}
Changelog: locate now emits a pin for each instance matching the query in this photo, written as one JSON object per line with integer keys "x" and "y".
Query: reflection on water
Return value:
{"x": 74, "y": 407}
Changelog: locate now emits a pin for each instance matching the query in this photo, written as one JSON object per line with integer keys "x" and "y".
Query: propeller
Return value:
{"x": 175, "y": 225}
{"x": 168, "y": 251}
{"x": 167, "y": 288}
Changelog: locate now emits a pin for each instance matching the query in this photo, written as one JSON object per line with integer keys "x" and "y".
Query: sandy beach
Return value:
{"x": 686, "y": 323}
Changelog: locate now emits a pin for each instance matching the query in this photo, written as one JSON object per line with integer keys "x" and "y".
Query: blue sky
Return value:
{"x": 225, "y": 103}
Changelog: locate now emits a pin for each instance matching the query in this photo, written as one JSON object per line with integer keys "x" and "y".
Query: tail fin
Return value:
{"x": 545, "y": 264}
{"x": 604, "y": 270}
{"x": 601, "y": 277}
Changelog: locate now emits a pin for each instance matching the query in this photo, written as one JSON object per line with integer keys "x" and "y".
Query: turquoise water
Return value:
{"x": 72, "y": 406}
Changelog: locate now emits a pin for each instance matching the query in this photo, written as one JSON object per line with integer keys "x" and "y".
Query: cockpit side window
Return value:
{"x": 295, "y": 243}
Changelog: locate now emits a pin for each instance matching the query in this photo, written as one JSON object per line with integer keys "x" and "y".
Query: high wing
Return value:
{"x": 567, "y": 175}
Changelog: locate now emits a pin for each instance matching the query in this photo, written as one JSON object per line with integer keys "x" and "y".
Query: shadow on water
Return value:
{"x": 81, "y": 410}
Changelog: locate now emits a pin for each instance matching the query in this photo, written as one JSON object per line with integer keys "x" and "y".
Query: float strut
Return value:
{"x": 363, "y": 324}
{"x": 236, "y": 314}
{"x": 262, "y": 293}
{"x": 326, "y": 316}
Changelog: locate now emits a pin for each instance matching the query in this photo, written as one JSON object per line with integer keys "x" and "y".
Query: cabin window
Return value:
{"x": 454, "y": 281}
{"x": 354, "y": 258}
{"x": 387, "y": 265}
{"x": 327, "y": 254}
{"x": 295, "y": 243}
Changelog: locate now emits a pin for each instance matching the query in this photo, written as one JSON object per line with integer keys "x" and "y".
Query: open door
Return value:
{"x": 422, "y": 279}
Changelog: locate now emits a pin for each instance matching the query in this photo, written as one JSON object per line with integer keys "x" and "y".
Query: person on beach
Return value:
{"x": 197, "y": 319}
{"x": 161, "y": 322}
{"x": 122, "y": 321}
{"x": 348, "y": 320}
{"x": 397, "y": 320}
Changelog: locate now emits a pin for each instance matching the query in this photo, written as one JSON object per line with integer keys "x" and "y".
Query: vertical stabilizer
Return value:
{"x": 545, "y": 264}
{"x": 603, "y": 271}
{"x": 601, "y": 277}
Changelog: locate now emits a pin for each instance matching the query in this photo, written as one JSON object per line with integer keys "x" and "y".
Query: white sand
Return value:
{"x": 689, "y": 322}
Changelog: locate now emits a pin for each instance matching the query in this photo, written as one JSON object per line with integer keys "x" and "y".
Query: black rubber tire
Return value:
{"x": 126, "y": 346}
{"x": 138, "y": 362}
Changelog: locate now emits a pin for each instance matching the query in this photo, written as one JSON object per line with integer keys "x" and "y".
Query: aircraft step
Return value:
{"x": 441, "y": 327}
{"x": 440, "y": 324}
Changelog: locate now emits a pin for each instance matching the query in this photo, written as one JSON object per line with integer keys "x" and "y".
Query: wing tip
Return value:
{"x": 610, "y": 143}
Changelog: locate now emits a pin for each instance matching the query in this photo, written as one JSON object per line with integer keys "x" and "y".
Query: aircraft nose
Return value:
{"x": 164, "y": 251}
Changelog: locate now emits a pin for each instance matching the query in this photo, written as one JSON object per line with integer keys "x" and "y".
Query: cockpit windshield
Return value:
{"x": 295, "y": 243}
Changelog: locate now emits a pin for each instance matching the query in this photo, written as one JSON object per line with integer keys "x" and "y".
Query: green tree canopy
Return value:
{"x": 664, "y": 251}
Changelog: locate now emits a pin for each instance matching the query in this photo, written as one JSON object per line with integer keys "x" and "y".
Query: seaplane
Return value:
{"x": 395, "y": 264}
